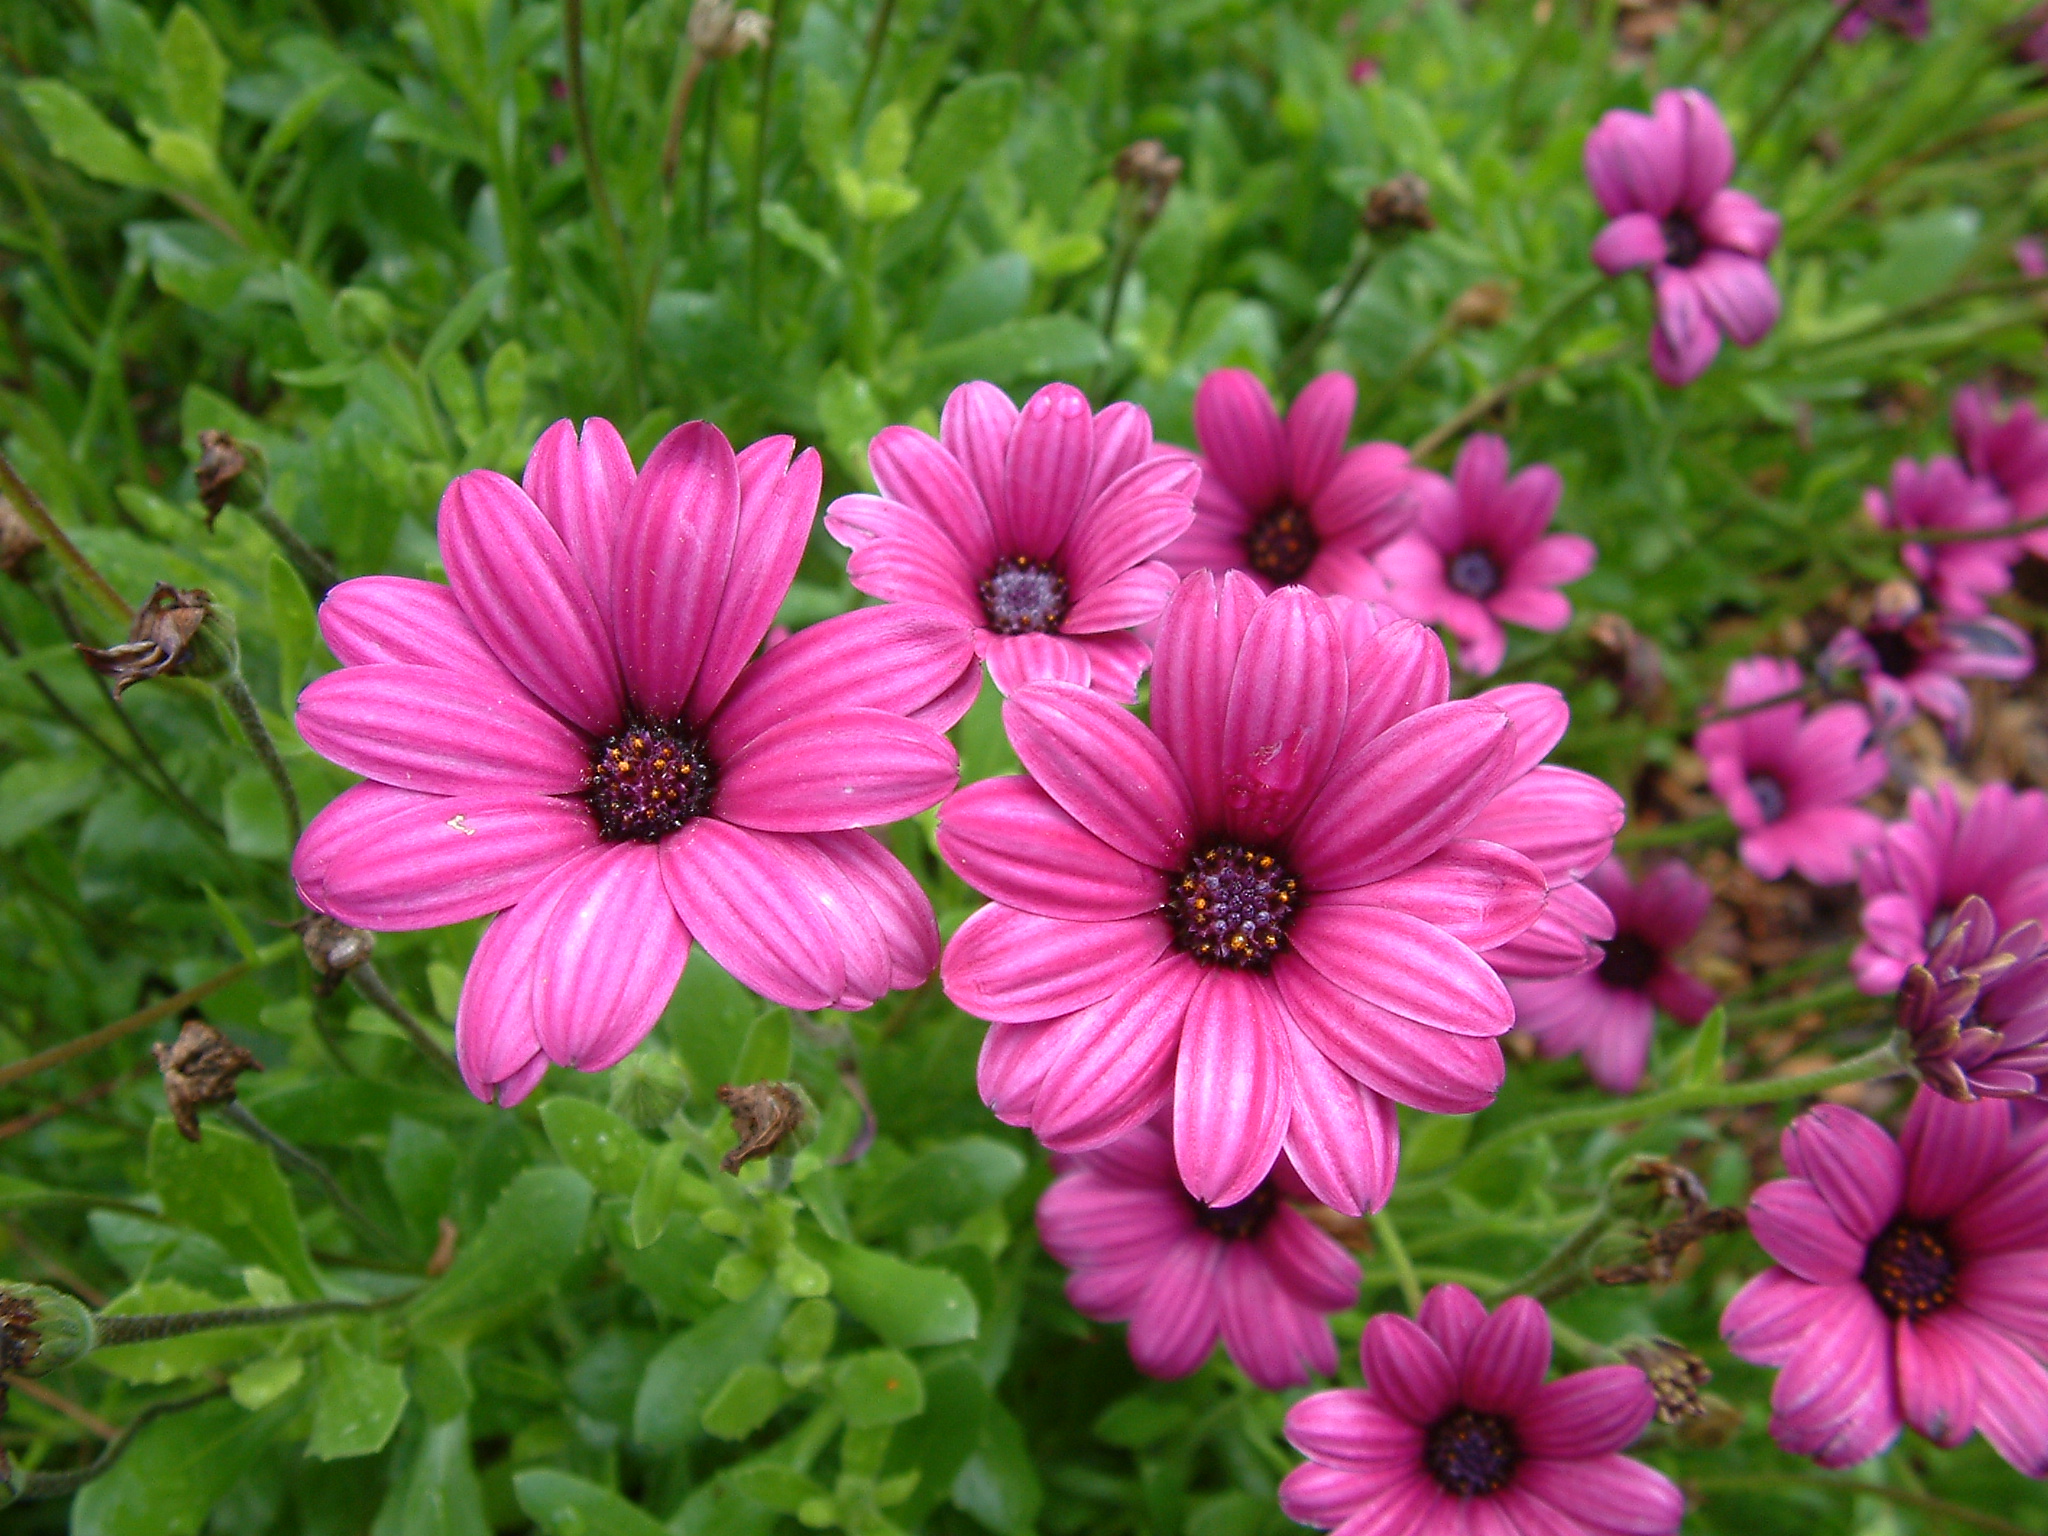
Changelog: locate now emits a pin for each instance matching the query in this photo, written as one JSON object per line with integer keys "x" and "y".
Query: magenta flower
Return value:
{"x": 1263, "y": 906}
{"x": 1143, "y": 1251}
{"x": 1038, "y": 527}
{"x": 2009, "y": 450}
{"x": 1909, "y": 658}
{"x": 1789, "y": 779}
{"x": 1977, "y": 1011}
{"x": 1917, "y": 875}
{"x": 1480, "y": 554}
{"x": 1908, "y": 18}
{"x": 1908, "y": 1284}
{"x": 1608, "y": 1014}
{"x": 1961, "y": 573}
{"x": 1663, "y": 181}
{"x": 1456, "y": 1433}
{"x": 1285, "y": 501}
{"x": 575, "y": 732}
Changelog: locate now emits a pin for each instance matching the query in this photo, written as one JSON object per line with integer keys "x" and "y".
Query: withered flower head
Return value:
{"x": 767, "y": 1118}
{"x": 159, "y": 641}
{"x": 1632, "y": 661}
{"x": 229, "y": 471}
{"x": 718, "y": 31}
{"x": 1399, "y": 207}
{"x": 334, "y": 949}
{"x": 1662, "y": 1210}
{"x": 1976, "y": 1012}
{"x": 41, "y": 1330}
{"x": 200, "y": 1068}
{"x": 1482, "y": 306}
{"x": 17, "y": 540}
{"x": 1676, "y": 1376}
{"x": 1147, "y": 169}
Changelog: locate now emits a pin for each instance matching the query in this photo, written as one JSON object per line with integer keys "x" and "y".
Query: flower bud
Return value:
{"x": 1147, "y": 169}
{"x": 362, "y": 317}
{"x": 718, "y": 31}
{"x": 41, "y": 1330}
{"x": 165, "y": 638}
{"x": 18, "y": 542}
{"x": 200, "y": 1068}
{"x": 333, "y": 949}
{"x": 229, "y": 470}
{"x": 1675, "y": 1373}
{"x": 648, "y": 1087}
{"x": 1398, "y": 208}
{"x": 769, "y": 1119}
{"x": 1483, "y": 306}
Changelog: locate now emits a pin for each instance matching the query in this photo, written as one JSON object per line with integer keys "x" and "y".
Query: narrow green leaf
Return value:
{"x": 1708, "y": 1043}
{"x": 195, "y": 73}
{"x": 944, "y": 1184}
{"x": 79, "y": 136}
{"x": 464, "y": 318}
{"x": 565, "y": 1505}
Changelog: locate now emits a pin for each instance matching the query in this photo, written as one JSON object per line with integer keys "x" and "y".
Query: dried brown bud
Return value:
{"x": 334, "y": 949}
{"x": 1147, "y": 169}
{"x": 200, "y": 1068}
{"x": 41, "y": 1330}
{"x": 1631, "y": 661}
{"x": 159, "y": 641}
{"x": 17, "y": 540}
{"x": 718, "y": 31}
{"x": 1483, "y": 306}
{"x": 1399, "y": 207}
{"x": 767, "y": 1118}
{"x": 1676, "y": 1375}
{"x": 228, "y": 471}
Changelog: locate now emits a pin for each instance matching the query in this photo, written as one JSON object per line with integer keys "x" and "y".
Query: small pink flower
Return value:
{"x": 1365, "y": 70}
{"x": 1959, "y": 574}
{"x": 576, "y": 733}
{"x": 1924, "y": 866}
{"x": 1912, "y": 659}
{"x": 1284, "y": 501}
{"x": 1144, "y": 1251}
{"x": 1456, "y": 1433}
{"x": 1038, "y": 527}
{"x": 1908, "y": 1284}
{"x": 1908, "y": 18}
{"x": 2009, "y": 450}
{"x": 1790, "y": 779}
{"x": 2030, "y": 255}
{"x": 1608, "y": 1014}
{"x": 1479, "y": 554}
{"x": 1663, "y": 181}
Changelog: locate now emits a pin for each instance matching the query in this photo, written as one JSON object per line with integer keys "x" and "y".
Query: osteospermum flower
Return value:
{"x": 575, "y": 733}
{"x": 2009, "y": 449}
{"x": 1916, "y": 877}
{"x": 1977, "y": 1012}
{"x": 1909, "y": 658}
{"x": 1789, "y": 778}
{"x": 1607, "y": 1014}
{"x": 1663, "y": 181}
{"x": 1285, "y": 501}
{"x": 1908, "y": 1284}
{"x": 1456, "y": 1432}
{"x": 1263, "y": 906}
{"x": 1259, "y": 1274}
{"x": 1038, "y": 527}
{"x": 1958, "y": 573}
{"x": 1908, "y": 18}
{"x": 1480, "y": 553}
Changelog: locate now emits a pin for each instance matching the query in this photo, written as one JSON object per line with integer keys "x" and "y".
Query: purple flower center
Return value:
{"x": 1682, "y": 243}
{"x": 1470, "y": 1453}
{"x": 1242, "y": 1221}
{"x": 1910, "y": 1269}
{"x": 1898, "y": 650}
{"x": 1232, "y": 906}
{"x": 1024, "y": 597}
{"x": 1282, "y": 544}
{"x": 1769, "y": 795}
{"x": 1630, "y": 963}
{"x": 648, "y": 781}
{"x": 1473, "y": 573}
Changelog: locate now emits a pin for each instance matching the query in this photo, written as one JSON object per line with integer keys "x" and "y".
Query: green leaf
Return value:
{"x": 1708, "y": 1042}
{"x": 781, "y": 221}
{"x": 464, "y": 318}
{"x": 263, "y": 1382}
{"x": 765, "y": 1056}
{"x": 908, "y": 1305}
{"x": 824, "y": 116}
{"x": 80, "y": 136}
{"x": 1434, "y": 1142}
{"x": 598, "y": 1144}
{"x": 252, "y": 816}
{"x": 943, "y": 1185}
{"x": 654, "y": 1197}
{"x": 998, "y": 1485}
{"x": 40, "y": 790}
{"x": 968, "y": 127}
{"x": 937, "y": 1443}
{"x": 314, "y": 310}
{"x": 681, "y": 1378}
{"x": 563, "y": 1505}
{"x": 195, "y": 73}
{"x": 747, "y": 1400}
{"x": 1039, "y": 347}
{"x": 887, "y": 146}
{"x": 880, "y": 1386}
{"x": 229, "y": 1188}
{"x": 296, "y": 629}
{"x": 176, "y": 1471}
{"x": 529, "y": 1236}
{"x": 357, "y": 1406}
{"x": 851, "y": 417}
{"x": 781, "y": 1488}
{"x": 440, "y": 1494}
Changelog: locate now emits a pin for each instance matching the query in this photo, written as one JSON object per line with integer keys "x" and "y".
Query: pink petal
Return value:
{"x": 751, "y": 899}
{"x": 975, "y": 428}
{"x": 441, "y": 732}
{"x": 1632, "y": 166}
{"x": 1452, "y": 1316}
{"x": 913, "y": 469}
{"x": 1354, "y": 1431}
{"x": 2012, "y": 1403}
{"x": 608, "y": 960}
{"x": 1684, "y": 341}
{"x": 1104, "y": 768}
{"x": 1410, "y": 1063}
{"x": 1560, "y": 819}
{"x": 1398, "y": 671}
{"x": 1342, "y": 1138}
{"x": 1284, "y": 718}
{"x": 1852, "y": 1162}
{"x": 1587, "y": 1414}
{"x": 1633, "y": 240}
{"x": 1539, "y": 715}
{"x": 446, "y": 860}
{"x": 1507, "y": 1359}
{"x": 495, "y": 1041}
{"x": 1799, "y": 1229}
{"x": 1014, "y": 967}
{"x": 1951, "y": 1151}
{"x": 1938, "y": 1376}
{"x": 903, "y": 555}
{"x": 1405, "y": 964}
{"x": 396, "y": 620}
{"x": 1772, "y": 1317}
{"x": 870, "y": 958}
{"x": 1739, "y": 294}
{"x": 672, "y": 564}
{"x": 1837, "y": 1402}
{"x": 1007, "y": 839}
{"x": 901, "y": 909}
{"x": 1406, "y": 1370}
{"x": 1367, "y": 501}
{"x": 836, "y": 769}
{"x": 2012, "y": 1213}
{"x": 1015, "y": 660}
{"x": 349, "y": 815}
{"x": 1481, "y": 894}
{"x": 1011, "y": 1069}
{"x": 1047, "y": 472}
{"x": 1196, "y": 658}
{"x": 1175, "y": 1326}
{"x": 1131, "y": 520}
{"x": 1736, "y": 221}
{"x": 581, "y": 487}
{"x": 1708, "y": 152}
{"x": 1616, "y": 1052}
{"x": 1232, "y": 1087}
{"x": 1241, "y": 437}
{"x": 778, "y": 503}
{"x": 1606, "y": 1493}
{"x": 1554, "y": 561}
{"x": 1324, "y": 1497}
{"x": 1309, "y": 1262}
{"x": 1122, "y": 441}
{"x": 1133, "y": 597}
{"x": 1114, "y": 1068}
{"x": 1317, "y": 424}
{"x": 1268, "y": 1334}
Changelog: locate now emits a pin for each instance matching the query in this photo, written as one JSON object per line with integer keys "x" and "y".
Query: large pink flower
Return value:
{"x": 1480, "y": 553}
{"x": 1285, "y": 501}
{"x": 1607, "y": 1014}
{"x": 1265, "y": 906}
{"x": 1908, "y": 1284}
{"x": 1941, "y": 495}
{"x": 1663, "y": 181}
{"x": 576, "y": 732}
{"x": 1258, "y": 1273}
{"x": 1789, "y": 779}
{"x": 2009, "y": 450}
{"x": 1456, "y": 1433}
{"x": 1038, "y": 527}
{"x": 1926, "y": 864}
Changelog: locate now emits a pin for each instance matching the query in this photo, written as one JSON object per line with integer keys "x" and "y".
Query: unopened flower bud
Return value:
{"x": 162, "y": 639}
{"x": 362, "y": 317}
{"x": 1654, "y": 1188}
{"x": 41, "y": 1330}
{"x": 718, "y": 31}
{"x": 1675, "y": 1373}
{"x": 768, "y": 1118}
{"x": 1482, "y": 306}
{"x": 1149, "y": 171}
{"x": 1398, "y": 208}
{"x": 229, "y": 470}
{"x": 648, "y": 1087}
{"x": 18, "y": 541}
{"x": 333, "y": 949}
{"x": 200, "y": 1068}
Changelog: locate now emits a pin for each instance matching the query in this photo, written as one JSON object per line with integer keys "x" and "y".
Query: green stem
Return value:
{"x": 314, "y": 568}
{"x": 1492, "y": 399}
{"x": 1926, "y": 1503}
{"x": 149, "y": 1327}
{"x": 600, "y": 196}
{"x": 704, "y": 158}
{"x": 106, "y": 367}
{"x": 758, "y": 179}
{"x": 56, "y": 1485}
{"x": 878, "y": 35}
{"x": 1570, "y": 304}
{"x": 1792, "y": 1007}
{"x": 1388, "y": 1236}
{"x": 1576, "y": 1343}
{"x": 372, "y": 986}
{"x": 1798, "y": 970}
{"x": 240, "y": 1115}
{"x": 1717, "y": 828}
{"x": 1403, "y": 376}
{"x": 82, "y": 570}
{"x": 1303, "y": 352}
{"x": 1806, "y": 65}
{"x": 1963, "y": 535}
{"x": 689, "y": 66}
{"x": 1564, "y": 1270}
{"x": 242, "y": 704}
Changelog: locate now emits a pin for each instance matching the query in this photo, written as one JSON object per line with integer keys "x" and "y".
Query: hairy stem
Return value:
{"x": 371, "y": 984}
{"x": 1564, "y": 1270}
{"x": 1303, "y": 353}
{"x": 81, "y": 570}
{"x": 1716, "y": 828}
{"x": 314, "y": 568}
{"x": 148, "y": 1327}
{"x": 55, "y": 1485}
{"x": 1388, "y": 1236}
{"x": 242, "y": 704}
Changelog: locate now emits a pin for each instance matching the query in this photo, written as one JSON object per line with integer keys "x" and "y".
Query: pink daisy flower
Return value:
{"x": 1263, "y": 906}
{"x": 1977, "y": 1011}
{"x": 1143, "y": 1251}
{"x": 1662, "y": 180}
{"x": 575, "y": 732}
{"x": 1923, "y": 867}
{"x": 1908, "y": 1284}
{"x": 1608, "y": 1014}
{"x": 1457, "y": 1432}
{"x": 1479, "y": 553}
{"x": 1789, "y": 779}
{"x": 1285, "y": 501}
{"x": 1960, "y": 574}
{"x": 1910, "y": 659}
{"x": 1038, "y": 527}
{"x": 2009, "y": 449}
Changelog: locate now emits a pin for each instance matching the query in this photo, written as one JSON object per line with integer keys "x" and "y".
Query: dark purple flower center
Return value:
{"x": 1024, "y": 597}
{"x": 649, "y": 780}
{"x": 1630, "y": 962}
{"x": 1242, "y": 1221}
{"x": 1282, "y": 544}
{"x": 1471, "y": 1453}
{"x": 1232, "y": 906}
{"x": 1682, "y": 243}
{"x": 1474, "y": 573}
{"x": 1769, "y": 795}
{"x": 1911, "y": 1269}
{"x": 1898, "y": 655}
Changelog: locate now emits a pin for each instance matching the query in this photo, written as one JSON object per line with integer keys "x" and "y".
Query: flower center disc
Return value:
{"x": 1910, "y": 1269}
{"x": 1469, "y": 1452}
{"x": 1682, "y": 243}
{"x": 1024, "y": 597}
{"x": 1242, "y": 1221}
{"x": 649, "y": 781}
{"x": 1630, "y": 963}
{"x": 1232, "y": 906}
{"x": 1473, "y": 573}
{"x": 1282, "y": 544}
{"x": 1770, "y": 795}
{"x": 1898, "y": 655}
